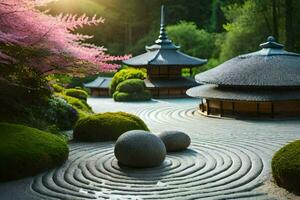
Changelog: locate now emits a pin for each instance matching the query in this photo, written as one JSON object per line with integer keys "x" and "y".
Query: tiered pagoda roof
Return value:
{"x": 164, "y": 53}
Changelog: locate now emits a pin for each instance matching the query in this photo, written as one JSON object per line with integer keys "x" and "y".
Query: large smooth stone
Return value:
{"x": 139, "y": 148}
{"x": 175, "y": 140}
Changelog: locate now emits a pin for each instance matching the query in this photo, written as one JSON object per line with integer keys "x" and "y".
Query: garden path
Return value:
{"x": 228, "y": 159}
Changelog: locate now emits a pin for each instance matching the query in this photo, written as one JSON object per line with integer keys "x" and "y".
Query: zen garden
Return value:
{"x": 140, "y": 99}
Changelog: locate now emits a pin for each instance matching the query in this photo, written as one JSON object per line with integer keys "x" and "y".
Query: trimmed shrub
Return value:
{"x": 131, "y": 85}
{"x": 26, "y": 151}
{"x": 127, "y": 97}
{"x": 125, "y": 74}
{"x": 77, "y": 93}
{"x": 106, "y": 126}
{"x": 132, "y": 90}
{"x": 286, "y": 167}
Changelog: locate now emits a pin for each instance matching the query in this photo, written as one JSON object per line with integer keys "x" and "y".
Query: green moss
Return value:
{"x": 27, "y": 151}
{"x": 106, "y": 126}
{"x": 286, "y": 167}
{"x": 127, "y": 97}
{"x": 131, "y": 86}
{"x": 77, "y": 93}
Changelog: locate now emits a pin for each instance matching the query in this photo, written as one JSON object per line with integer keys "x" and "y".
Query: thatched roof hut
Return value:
{"x": 266, "y": 82}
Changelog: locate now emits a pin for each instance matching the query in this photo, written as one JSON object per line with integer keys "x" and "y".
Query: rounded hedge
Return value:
{"x": 126, "y": 97}
{"x": 131, "y": 86}
{"x": 26, "y": 151}
{"x": 125, "y": 74}
{"x": 106, "y": 126}
{"x": 286, "y": 167}
{"x": 77, "y": 93}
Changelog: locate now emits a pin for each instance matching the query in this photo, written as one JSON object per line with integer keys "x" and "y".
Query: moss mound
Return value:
{"x": 27, "y": 151}
{"x": 286, "y": 167}
{"x": 77, "y": 93}
{"x": 106, "y": 126}
{"x": 126, "y": 74}
{"x": 131, "y": 85}
{"x": 132, "y": 90}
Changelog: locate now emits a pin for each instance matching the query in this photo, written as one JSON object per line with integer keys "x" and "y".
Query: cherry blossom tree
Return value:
{"x": 24, "y": 26}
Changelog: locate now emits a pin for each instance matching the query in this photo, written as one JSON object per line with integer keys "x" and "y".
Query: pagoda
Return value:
{"x": 164, "y": 63}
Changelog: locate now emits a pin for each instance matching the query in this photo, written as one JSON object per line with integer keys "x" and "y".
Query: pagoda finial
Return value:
{"x": 271, "y": 44}
{"x": 162, "y": 16}
{"x": 163, "y": 42}
{"x": 163, "y": 37}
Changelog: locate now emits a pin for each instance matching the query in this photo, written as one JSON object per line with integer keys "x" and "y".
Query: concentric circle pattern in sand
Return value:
{"x": 228, "y": 159}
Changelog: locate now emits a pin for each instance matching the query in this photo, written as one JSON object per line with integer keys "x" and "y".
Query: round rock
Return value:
{"x": 139, "y": 148}
{"x": 175, "y": 140}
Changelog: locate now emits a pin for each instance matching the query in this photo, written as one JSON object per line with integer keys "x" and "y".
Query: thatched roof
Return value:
{"x": 164, "y": 53}
{"x": 270, "y": 67}
{"x": 243, "y": 94}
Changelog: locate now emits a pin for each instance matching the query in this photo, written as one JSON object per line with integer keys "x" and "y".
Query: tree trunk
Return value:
{"x": 289, "y": 30}
{"x": 275, "y": 21}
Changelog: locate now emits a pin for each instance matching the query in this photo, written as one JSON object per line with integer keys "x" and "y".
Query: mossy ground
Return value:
{"x": 26, "y": 151}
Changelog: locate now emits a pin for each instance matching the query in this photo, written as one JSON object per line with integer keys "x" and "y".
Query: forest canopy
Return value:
{"x": 231, "y": 27}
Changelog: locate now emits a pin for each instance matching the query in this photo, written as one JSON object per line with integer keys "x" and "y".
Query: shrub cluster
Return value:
{"x": 27, "y": 151}
{"x": 125, "y": 74}
{"x": 77, "y": 93}
{"x": 75, "y": 97}
{"x": 132, "y": 90}
{"x": 286, "y": 167}
{"x": 61, "y": 114}
{"x": 106, "y": 126}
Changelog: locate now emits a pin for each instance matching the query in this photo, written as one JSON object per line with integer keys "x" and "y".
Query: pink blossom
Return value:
{"x": 22, "y": 24}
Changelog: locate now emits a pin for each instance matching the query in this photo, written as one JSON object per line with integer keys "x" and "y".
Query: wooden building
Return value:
{"x": 99, "y": 87}
{"x": 164, "y": 63}
{"x": 265, "y": 83}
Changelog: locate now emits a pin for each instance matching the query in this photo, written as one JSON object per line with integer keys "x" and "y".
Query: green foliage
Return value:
{"x": 27, "y": 151}
{"x": 193, "y": 41}
{"x": 106, "y": 126}
{"x": 131, "y": 85}
{"x": 61, "y": 114}
{"x": 246, "y": 29}
{"x": 77, "y": 93}
{"x": 286, "y": 167}
{"x": 125, "y": 74}
{"x": 79, "y": 105}
{"x": 57, "y": 88}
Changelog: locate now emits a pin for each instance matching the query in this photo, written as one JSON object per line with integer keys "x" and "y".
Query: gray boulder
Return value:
{"x": 175, "y": 140}
{"x": 139, "y": 148}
